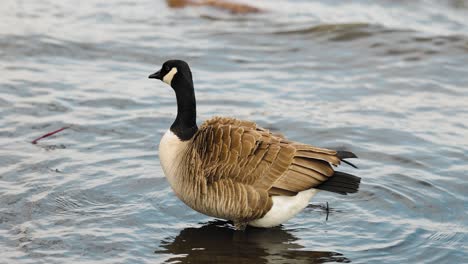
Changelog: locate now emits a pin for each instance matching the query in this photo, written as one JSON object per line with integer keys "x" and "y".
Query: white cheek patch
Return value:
{"x": 168, "y": 77}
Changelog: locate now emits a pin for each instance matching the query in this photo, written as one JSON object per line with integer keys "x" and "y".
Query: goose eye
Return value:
{"x": 166, "y": 68}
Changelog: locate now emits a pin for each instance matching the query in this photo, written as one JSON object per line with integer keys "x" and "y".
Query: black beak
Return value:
{"x": 156, "y": 75}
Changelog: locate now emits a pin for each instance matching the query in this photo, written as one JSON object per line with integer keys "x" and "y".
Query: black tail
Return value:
{"x": 342, "y": 155}
{"x": 342, "y": 183}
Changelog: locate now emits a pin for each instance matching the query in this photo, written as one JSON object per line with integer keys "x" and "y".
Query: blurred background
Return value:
{"x": 387, "y": 80}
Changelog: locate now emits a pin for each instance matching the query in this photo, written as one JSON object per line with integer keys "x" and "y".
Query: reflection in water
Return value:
{"x": 216, "y": 242}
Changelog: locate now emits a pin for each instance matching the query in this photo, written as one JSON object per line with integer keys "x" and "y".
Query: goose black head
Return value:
{"x": 176, "y": 73}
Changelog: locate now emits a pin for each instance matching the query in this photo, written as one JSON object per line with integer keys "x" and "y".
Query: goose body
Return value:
{"x": 235, "y": 170}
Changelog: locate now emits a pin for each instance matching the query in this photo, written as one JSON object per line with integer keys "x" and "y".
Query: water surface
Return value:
{"x": 385, "y": 79}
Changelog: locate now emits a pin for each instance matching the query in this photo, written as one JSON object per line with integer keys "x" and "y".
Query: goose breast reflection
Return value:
{"x": 235, "y": 170}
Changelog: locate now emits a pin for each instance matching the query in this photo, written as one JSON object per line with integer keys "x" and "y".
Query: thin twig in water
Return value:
{"x": 328, "y": 211}
{"x": 48, "y": 135}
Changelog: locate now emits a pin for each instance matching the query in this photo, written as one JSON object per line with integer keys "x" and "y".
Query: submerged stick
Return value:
{"x": 328, "y": 212}
{"x": 48, "y": 134}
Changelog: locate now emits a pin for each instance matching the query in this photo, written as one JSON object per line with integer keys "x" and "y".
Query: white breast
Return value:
{"x": 284, "y": 208}
{"x": 171, "y": 150}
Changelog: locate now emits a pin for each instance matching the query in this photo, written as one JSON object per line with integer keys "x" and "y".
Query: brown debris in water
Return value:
{"x": 48, "y": 134}
{"x": 235, "y": 8}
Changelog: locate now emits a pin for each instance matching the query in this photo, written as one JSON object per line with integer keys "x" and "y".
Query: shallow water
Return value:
{"x": 385, "y": 79}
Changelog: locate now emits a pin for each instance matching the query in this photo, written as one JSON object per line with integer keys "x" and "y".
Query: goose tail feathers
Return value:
{"x": 342, "y": 155}
{"x": 341, "y": 182}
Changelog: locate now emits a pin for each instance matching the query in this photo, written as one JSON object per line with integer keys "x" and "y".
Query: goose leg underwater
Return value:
{"x": 235, "y": 170}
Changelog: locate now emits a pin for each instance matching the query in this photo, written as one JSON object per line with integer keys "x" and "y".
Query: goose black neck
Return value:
{"x": 185, "y": 124}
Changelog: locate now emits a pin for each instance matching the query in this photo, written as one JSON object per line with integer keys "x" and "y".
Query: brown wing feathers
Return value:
{"x": 306, "y": 170}
{"x": 241, "y": 151}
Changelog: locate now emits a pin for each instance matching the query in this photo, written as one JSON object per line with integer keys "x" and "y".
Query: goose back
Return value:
{"x": 233, "y": 167}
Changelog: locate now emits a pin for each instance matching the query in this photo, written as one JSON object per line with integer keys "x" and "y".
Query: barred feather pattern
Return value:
{"x": 235, "y": 167}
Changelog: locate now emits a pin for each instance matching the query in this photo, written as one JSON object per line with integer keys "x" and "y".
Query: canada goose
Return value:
{"x": 235, "y": 170}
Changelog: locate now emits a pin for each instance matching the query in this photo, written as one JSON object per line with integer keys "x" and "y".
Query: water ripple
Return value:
{"x": 370, "y": 77}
